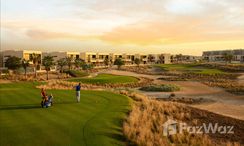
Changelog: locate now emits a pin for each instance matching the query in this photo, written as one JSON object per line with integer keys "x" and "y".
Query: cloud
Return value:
{"x": 46, "y": 35}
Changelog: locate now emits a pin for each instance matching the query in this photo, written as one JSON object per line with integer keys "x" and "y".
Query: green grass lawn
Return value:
{"x": 96, "y": 120}
{"x": 105, "y": 78}
{"x": 195, "y": 68}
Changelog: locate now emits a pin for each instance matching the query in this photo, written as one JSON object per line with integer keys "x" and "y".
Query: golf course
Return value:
{"x": 105, "y": 79}
{"x": 96, "y": 120}
{"x": 193, "y": 68}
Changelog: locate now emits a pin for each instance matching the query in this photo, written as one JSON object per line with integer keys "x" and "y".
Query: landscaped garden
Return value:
{"x": 96, "y": 120}
{"x": 106, "y": 79}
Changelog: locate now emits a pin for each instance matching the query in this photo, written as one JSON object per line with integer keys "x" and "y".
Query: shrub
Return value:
{"x": 161, "y": 88}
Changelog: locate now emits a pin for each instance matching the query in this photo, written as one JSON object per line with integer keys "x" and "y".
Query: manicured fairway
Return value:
{"x": 106, "y": 78}
{"x": 96, "y": 120}
{"x": 196, "y": 68}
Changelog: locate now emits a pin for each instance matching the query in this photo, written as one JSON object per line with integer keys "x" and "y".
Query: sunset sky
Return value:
{"x": 130, "y": 26}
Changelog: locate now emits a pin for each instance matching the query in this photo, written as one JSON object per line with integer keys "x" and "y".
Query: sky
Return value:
{"x": 123, "y": 26}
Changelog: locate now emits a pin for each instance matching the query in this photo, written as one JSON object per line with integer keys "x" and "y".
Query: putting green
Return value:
{"x": 106, "y": 78}
{"x": 96, "y": 120}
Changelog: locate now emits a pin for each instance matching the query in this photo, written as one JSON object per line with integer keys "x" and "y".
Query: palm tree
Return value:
{"x": 25, "y": 64}
{"x": 137, "y": 62}
{"x": 179, "y": 57}
{"x": 78, "y": 63}
{"x": 228, "y": 57}
{"x": 150, "y": 58}
{"x": 48, "y": 62}
{"x": 36, "y": 59}
{"x": 61, "y": 63}
{"x": 106, "y": 61}
{"x": 161, "y": 58}
{"x": 119, "y": 62}
{"x": 69, "y": 61}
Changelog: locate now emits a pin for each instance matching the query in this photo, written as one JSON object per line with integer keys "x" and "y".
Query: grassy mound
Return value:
{"x": 96, "y": 120}
{"x": 76, "y": 73}
{"x": 106, "y": 79}
{"x": 161, "y": 88}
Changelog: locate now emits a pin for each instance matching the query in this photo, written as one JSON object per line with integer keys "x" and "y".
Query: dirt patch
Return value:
{"x": 240, "y": 79}
{"x": 4, "y": 81}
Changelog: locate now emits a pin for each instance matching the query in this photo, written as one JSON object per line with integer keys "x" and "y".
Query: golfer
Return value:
{"x": 77, "y": 89}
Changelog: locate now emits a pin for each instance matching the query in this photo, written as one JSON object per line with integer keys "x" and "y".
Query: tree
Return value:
{"x": 161, "y": 58}
{"x": 61, "y": 63}
{"x": 13, "y": 62}
{"x": 25, "y": 65}
{"x": 179, "y": 58}
{"x": 36, "y": 59}
{"x": 111, "y": 61}
{"x": 48, "y": 62}
{"x": 137, "y": 62}
{"x": 228, "y": 57}
{"x": 119, "y": 62}
{"x": 78, "y": 63}
{"x": 86, "y": 66}
{"x": 150, "y": 58}
{"x": 69, "y": 61}
{"x": 106, "y": 61}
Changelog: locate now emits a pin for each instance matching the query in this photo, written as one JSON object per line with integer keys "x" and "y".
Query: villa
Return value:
{"x": 23, "y": 54}
{"x": 218, "y": 56}
{"x": 59, "y": 55}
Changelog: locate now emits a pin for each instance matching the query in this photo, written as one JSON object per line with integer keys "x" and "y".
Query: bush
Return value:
{"x": 75, "y": 73}
{"x": 161, "y": 88}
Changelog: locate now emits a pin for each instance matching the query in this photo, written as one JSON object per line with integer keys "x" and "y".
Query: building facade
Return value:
{"x": 218, "y": 56}
{"x": 23, "y": 54}
{"x": 97, "y": 59}
{"x": 59, "y": 55}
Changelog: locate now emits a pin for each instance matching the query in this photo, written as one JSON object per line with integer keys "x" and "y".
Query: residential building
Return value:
{"x": 101, "y": 58}
{"x": 129, "y": 59}
{"x": 159, "y": 58}
{"x": 89, "y": 57}
{"x": 96, "y": 59}
{"x": 115, "y": 56}
{"x": 23, "y": 54}
{"x": 218, "y": 56}
{"x": 142, "y": 57}
{"x": 59, "y": 55}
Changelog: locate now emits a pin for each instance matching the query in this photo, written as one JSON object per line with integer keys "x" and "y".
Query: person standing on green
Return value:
{"x": 77, "y": 89}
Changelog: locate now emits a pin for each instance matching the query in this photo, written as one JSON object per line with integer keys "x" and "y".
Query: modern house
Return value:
{"x": 23, "y": 54}
{"x": 159, "y": 58}
{"x": 142, "y": 57}
{"x": 218, "y": 56}
{"x": 128, "y": 58}
{"x": 101, "y": 58}
{"x": 89, "y": 57}
{"x": 97, "y": 59}
{"x": 115, "y": 56}
{"x": 59, "y": 55}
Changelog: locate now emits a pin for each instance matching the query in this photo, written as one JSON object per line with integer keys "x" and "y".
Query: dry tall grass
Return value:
{"x": 144, "y": 125}
{"x": 66, "y": 85}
